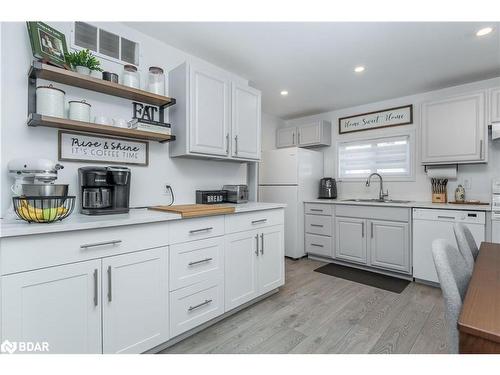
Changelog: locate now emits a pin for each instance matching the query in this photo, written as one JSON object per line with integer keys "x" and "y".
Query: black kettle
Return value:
{"x": 327, "y": 188}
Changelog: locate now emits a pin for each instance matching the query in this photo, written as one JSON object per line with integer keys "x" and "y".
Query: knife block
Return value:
{"x": 439, "y": 197}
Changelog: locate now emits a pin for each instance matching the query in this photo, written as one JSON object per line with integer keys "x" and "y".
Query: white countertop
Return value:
{"x": 17, "y": 227}
{"x": 443, "y": 206}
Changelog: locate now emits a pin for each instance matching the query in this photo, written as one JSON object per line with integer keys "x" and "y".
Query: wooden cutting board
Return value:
{"x": 195, "y": 210}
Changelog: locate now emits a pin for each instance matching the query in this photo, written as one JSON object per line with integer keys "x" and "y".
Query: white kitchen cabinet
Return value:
{"x": 286, "y": 137}
{"x": 59, "y": 305}
{"x": 350, "y": 239}
{"x": 389, "y": 245}
{"x": 318, "y": 133}
{"x": 271, "y": 266}
{"x": 240, "y": 266}
{"x": 246, "y": 122}
{"x": 454, "y": 130}
{"x": 135, "y": 297}
{"x": 494, "y": 105}
{"x": 214, "y": 116}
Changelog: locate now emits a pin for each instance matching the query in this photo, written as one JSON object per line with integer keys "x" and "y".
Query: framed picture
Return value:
{"x": 74, "y": 146}
{"x": 378, "y": 119}
{"x": 47, "y": 44}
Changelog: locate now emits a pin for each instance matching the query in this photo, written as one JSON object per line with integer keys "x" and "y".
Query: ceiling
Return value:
{"x": 314, "y": 62}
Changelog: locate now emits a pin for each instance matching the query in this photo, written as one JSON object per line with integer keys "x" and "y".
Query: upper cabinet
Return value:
{"x": 215, "y": 117}
{"x": 494, "y": 105}
{"x": 318, "y": 133}
{"x": 454, "y": 130}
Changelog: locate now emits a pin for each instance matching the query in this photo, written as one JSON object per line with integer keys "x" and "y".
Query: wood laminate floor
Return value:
{"x": 317, "y": 313}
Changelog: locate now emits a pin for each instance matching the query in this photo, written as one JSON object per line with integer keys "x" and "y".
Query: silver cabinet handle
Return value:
{"x": 315, "y": 210}
{"x": 317, "y": 245}
{"x": 481, "y": 149}
{"x": 259, "y": 221}
{"x": 362, "y": 229}
{"x": 371, "y": 230}
{"x": 298, "y": 137}
{"x": 262, "y": 243}
{"x": 317, "y": 225}
{"x": 257, "y": 244}
{"x": 227, "y": 143}
{"x": 89, "y": 245}
{"x": 193, "y": 231}
{"x": 206, "y": 302}
{"x": 199, "y": 261}
{"x": 110, "y": 296}
{"x": 236, "y": 145}
{"x": 293, "y": 138}
{"x": 446, "y": 217}
{"x": 96, "y": 288}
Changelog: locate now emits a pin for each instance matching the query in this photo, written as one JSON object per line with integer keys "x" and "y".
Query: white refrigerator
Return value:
{"x": 291, "y": 176}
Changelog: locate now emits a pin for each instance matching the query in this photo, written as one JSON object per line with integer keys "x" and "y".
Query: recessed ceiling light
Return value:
{"x": 284, "y": 93}
{"x": 359, "y": 69}
{"x": 484, "y": 31}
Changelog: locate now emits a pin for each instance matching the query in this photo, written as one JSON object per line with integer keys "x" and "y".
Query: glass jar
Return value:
{"x": 130, "y": 77}
{"x": 156, "y": 80}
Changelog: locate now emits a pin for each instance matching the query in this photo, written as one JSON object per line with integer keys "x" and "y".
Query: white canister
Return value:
{"x": 79, "y": 110}
{"x": 50, "y": 101}
{"x": 130, "y": 77}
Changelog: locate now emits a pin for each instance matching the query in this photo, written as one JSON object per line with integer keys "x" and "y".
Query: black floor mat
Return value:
{"x": 392, "y": 284}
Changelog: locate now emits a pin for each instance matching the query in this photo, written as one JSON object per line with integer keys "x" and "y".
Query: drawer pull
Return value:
{"x": 446, "y": 217}
{"x": 207, "y": 301}
{"x": 193, "y": 231}
{"x": 89, "y": 245}
{"x": 262, "y": 243}
{"x": 317, "y": 225}
{"x": 315, "y": 210}
{"x": 199, "y": 261}
{"x": 96, "y": 288}
{"x": 259, "y": 221}
{"x": 317, "y": 245}
{"x": 110, "y": 285}
{"x": 257, "y": 244}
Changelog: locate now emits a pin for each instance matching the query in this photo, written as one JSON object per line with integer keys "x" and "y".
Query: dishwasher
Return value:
{"x": 432, "y": 224}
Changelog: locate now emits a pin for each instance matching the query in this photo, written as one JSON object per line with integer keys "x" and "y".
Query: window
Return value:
{"x": 389, "y": 156}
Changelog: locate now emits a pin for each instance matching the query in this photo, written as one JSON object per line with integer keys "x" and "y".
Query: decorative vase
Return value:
{"x": 82, "y": 70}
{"x": 460, "y": 194}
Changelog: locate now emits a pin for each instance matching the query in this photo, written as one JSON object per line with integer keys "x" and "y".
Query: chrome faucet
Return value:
{"x": 381, "y": 195}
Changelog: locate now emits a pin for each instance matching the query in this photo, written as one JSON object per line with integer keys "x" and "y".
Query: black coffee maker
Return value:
{"x": 327, "y": 188}
{"x": 104, "y": 190}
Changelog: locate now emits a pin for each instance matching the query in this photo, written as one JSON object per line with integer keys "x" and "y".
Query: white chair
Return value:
{"x": 466, "y": 244}
{"x": 454, "y": 276}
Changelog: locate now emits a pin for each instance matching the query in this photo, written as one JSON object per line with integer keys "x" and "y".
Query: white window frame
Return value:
{"x": 356, "y": 138}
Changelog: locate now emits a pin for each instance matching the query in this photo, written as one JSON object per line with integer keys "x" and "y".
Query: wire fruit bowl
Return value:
{"x": 43, "y": 209}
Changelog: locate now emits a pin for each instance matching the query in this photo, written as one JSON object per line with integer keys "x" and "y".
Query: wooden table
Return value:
{"x": 479, "y": 321}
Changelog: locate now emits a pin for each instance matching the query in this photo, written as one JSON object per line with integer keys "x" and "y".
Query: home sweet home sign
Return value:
{"x": 378, "y": 119}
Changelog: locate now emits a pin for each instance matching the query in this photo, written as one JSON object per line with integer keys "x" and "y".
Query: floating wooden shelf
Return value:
{"x": 68, "y": 77}
{"x": 35, "y": 119}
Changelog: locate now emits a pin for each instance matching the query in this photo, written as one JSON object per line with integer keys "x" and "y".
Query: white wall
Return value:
{"x": 479, "y": 175}
{"x": 18, "y": 140}
{"x": 270, "y": 124}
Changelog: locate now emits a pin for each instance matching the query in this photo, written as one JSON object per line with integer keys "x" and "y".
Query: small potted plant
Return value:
{"x": 83, "y": 62}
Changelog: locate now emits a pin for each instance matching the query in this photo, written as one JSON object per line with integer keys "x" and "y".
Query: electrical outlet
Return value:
{"x": 467, "y": 184}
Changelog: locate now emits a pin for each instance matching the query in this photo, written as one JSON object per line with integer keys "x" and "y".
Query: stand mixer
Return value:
{"x": 35, "y": 177}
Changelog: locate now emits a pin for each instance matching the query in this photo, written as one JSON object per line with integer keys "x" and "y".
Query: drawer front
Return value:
{"x": 45, "y": 250}
{"x": 318, "y": 209}
{"x": 195, "y": 305}
{"x": 196, "y": 261}
{"x": 374, "y": 212}
{"x": 254, "y": 220}
{"x": 196, "y": 229}
{"x": 319, "y": 245}
{"x": 322, "y": 225}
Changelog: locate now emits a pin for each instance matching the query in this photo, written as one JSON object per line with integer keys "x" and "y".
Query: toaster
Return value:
{"x": 236, "y": 193}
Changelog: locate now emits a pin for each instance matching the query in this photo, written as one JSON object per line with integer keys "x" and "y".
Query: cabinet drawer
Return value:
{"x": 254, "y": 220}
{"x": 316, "y": 224}
{"x": 319, "y": 209}
{"x": 196, "y": 261}
{"x": 51, "y": 249}
{"x": 196, "y": 229}
{"x": 195, "y": 305}
{"x": 319, "y": 245}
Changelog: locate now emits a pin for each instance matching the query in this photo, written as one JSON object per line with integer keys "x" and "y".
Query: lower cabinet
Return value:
{"x": 58, "y": 305}
{"x": 253, "y": 264}
{"x": 351, "y": 242}
{"x": 135, "y": 297}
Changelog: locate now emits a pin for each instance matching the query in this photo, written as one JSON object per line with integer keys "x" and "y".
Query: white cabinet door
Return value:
{"x": 286, "y": 137}
{"x": 246, "y": 122}
{"x": 389, "y": 245}
{"x": 240, "y": 268}
{"x": 495, "y": 105}
{"x": 271, "y": 259}
{"x": 209, "y": 111}
{"x": 58, "y": 305}
{"x": 350, "y": 239}
{"x": 453, "y": 130}
{"x": 309, "y": 134}
{"x": 135, "y": 295}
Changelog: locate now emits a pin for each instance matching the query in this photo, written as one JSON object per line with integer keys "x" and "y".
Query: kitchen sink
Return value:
{"x": 375, "y": 200}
